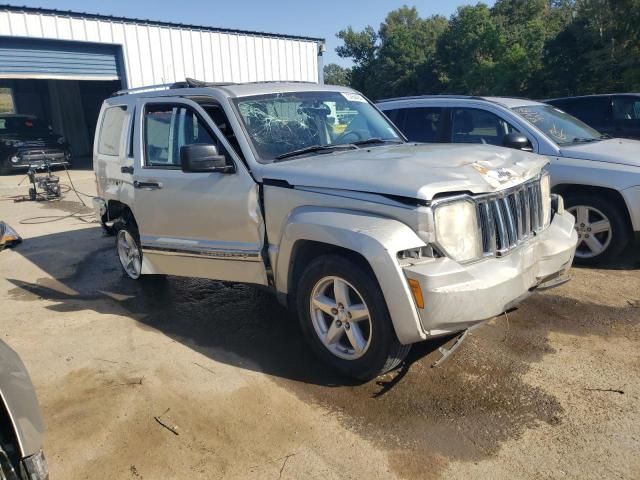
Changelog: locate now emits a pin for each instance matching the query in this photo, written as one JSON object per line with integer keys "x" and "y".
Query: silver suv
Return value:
{"x": 598, "y": 176}
{"x": 310, "y": 191}
{"x": 21, "y": 426}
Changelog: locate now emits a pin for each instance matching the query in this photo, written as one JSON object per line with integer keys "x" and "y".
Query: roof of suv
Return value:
{"x": 595, "y": 96}
{"x": 232, "y": 90}
{"x": 508, "y": 102}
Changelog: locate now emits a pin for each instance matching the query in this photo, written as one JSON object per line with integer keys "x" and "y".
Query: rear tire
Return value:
{"x": 343, "y": 315}
{"x": 128, "y": 247}
{"x": 603, "y": 230}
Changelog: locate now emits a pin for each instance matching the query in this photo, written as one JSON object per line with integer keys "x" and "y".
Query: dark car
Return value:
{"x": 27, "y": 140}
{"x": 617, "y": 115}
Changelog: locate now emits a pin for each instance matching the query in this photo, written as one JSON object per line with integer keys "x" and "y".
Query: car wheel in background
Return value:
{"x": 344, "y": 317}
{"x": 603, "y": 231}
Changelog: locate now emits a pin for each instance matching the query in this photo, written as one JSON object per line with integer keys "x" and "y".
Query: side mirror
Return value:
{"x": 517, "y": 141}
{"x": 203, "y": 157}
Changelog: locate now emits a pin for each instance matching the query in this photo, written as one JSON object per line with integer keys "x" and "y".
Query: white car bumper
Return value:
{"x": 458, "y": 296}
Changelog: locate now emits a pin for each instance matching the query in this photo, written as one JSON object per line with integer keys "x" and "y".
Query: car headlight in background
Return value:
{"x": 545, "y": 192}
{"x": 13, "y": 143}
{"x": 457, "y": 230}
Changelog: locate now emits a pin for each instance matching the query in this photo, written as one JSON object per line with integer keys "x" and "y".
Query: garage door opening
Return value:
{"x": 70, "y": 107}
{"x": 62, "y": 83}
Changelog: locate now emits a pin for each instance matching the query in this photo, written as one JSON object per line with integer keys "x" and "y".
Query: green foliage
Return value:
{"x": 334, "y": 74}
{"x": 536, "y": 48}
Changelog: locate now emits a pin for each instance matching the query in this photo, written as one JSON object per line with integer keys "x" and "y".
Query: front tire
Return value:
{"x": 345, "y": 319}
{"x": 603, "y": 230}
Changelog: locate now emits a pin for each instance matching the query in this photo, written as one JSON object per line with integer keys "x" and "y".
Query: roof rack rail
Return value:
{"x": 187, "y": 83}
{"x": 193, "y": 83}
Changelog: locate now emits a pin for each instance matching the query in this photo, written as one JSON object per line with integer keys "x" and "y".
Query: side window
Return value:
{"x": 423, "y": 124}
{"x": 592, "y": 111}
{"x": 626, "y": 108}
{"x": 395, "y": 115}
{"x": 216, "y": 112}
{"x": 167, "y": 128}
{"x": 470, "y": 125}
{"x": 111, "y": 130}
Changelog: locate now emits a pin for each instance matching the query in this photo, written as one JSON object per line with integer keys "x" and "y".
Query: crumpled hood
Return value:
{"x": 418, "y": 171}
{"x": 615, "y": 150}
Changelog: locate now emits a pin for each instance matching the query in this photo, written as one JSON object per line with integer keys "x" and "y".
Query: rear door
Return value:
{"x": 193, "y": 224}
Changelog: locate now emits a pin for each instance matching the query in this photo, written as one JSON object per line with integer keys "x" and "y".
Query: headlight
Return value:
{"x": 545, "y": 191}
{"x": 457, "y": 230}
{"x": 62, "y": 140}
{"x": 13, "y": 143}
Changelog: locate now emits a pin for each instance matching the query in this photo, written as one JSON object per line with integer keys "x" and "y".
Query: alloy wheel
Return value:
{"x": 594, "y": 231}
{"x": 340, "y": 318}
{"x": 129, "y": 253}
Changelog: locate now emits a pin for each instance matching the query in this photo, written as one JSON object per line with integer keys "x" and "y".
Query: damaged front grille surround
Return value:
{"x": 509, "y": 218}
{"x": 504, "y": 220}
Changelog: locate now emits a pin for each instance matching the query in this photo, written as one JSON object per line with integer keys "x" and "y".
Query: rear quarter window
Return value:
{"x": 110, "y": 139}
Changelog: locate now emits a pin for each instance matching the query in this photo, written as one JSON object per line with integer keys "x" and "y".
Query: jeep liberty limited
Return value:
{"x": 374, "y": 243}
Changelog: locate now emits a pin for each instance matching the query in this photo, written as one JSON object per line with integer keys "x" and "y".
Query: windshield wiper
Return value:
{"x": 314, "y": 149}
{"x": 376, "y": 140}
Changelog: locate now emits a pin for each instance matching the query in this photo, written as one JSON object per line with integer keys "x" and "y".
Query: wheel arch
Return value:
{"x": 117, "y": 209}
{"x": 367, "y": 239}
{"x": 611, "y": 194}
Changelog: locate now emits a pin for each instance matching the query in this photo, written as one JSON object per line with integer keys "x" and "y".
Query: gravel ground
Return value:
{"x": 531, "y": 395}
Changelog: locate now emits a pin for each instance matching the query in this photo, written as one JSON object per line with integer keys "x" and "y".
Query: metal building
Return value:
{"x": 60, "y": 65}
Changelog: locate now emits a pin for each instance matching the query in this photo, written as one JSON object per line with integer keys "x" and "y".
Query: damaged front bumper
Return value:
{"x": 457, "y": 296}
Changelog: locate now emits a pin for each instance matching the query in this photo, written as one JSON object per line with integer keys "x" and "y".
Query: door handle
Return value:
{"x": 128, "y": 170}
{"x": 147, "y": 185}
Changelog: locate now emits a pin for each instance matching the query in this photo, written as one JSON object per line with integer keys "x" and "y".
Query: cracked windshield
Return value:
{"x": 561, "y": 127}
{"x": 287, "y": 125}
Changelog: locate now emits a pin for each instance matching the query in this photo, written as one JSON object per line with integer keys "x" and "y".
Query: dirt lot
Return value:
{"x": 524, "y": 397}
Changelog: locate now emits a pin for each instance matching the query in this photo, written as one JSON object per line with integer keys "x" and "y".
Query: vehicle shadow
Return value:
{"x": 237, "y": 324}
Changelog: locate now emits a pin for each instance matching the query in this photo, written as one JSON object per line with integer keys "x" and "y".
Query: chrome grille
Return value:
{"x": 508, "y": 219}
{"x": 33, "y": 143}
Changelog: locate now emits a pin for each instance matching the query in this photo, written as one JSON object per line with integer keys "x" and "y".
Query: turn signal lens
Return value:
{"x": 416, "y": 291}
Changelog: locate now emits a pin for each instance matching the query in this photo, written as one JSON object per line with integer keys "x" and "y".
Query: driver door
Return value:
{"x": 196, "y": 224}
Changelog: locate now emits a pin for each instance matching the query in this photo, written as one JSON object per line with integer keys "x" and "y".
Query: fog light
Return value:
{"x": 416, "y": 291}
{"x": 15, "y": 159}
{"x": 36, "y": 466}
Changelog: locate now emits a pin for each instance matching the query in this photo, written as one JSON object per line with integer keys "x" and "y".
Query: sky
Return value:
{"x": 321, "y": 19}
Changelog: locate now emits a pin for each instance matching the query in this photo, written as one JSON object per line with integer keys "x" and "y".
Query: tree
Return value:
{"x": 469, "y": 50}
{"x": 392, "y": 60}
{"x": 537, "y": 48}
{"x": 334, "y": 74}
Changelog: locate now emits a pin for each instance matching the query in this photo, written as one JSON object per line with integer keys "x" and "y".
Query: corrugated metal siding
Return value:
{"x": 40, "y": 58}
{"x": 155, "y": 54}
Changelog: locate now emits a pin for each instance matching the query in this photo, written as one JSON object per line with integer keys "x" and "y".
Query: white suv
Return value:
{"x": 310, "y": 191}
{"x": 598, "y": 176}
